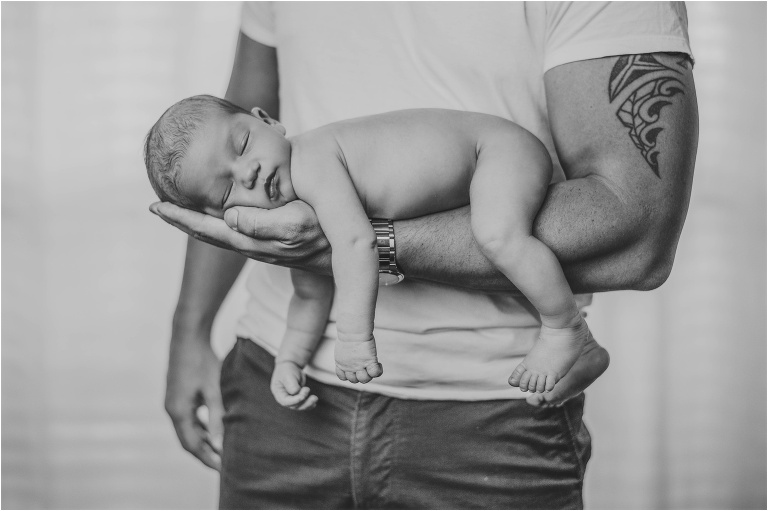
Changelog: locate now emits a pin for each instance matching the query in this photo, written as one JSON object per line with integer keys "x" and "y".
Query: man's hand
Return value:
{"x": 287, "y": 236}
{"x": 193, "y": 382}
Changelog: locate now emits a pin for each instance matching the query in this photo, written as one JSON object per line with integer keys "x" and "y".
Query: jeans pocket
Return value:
{"x": 580, "y": 439}
{"x": 227, "y": 369}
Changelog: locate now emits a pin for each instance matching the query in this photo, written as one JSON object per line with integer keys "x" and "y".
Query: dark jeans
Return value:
{"x": 362, "y": 450}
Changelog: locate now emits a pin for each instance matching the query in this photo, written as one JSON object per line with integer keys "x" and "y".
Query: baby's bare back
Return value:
{"x": 410, "y": 163}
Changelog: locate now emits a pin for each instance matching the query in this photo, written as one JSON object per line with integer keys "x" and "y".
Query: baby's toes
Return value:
{"x": 524, "y": 380}
{"x": 551, "y": 380}
{"x": 532, "y": 382}
{"x": 541, "y": 383}
{"x": 340, "y": 374}
{"x": 514, "y": 379}
{"x": 351, "y": 376}
{"x": 363, "y": 376}
{"x": 536, "y": 400}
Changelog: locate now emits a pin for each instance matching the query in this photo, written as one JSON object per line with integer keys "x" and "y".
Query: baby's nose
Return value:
{"x": 249, "y": 175}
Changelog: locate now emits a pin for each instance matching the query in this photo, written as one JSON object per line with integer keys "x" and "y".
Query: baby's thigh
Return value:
{"x": 507, "y": 197}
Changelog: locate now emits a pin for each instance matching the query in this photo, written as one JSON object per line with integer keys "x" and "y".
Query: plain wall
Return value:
{"x": 90, "y": 277}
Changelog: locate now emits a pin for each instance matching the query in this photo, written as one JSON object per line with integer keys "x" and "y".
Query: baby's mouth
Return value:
{"x": 270, "y": 185}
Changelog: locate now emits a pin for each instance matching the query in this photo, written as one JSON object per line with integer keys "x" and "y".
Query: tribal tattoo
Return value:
{"x": 651, "y": 85}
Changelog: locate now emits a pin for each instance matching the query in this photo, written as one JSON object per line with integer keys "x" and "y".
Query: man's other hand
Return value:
{"x": 192, "y": 387}
{"x": 287, "y": 236}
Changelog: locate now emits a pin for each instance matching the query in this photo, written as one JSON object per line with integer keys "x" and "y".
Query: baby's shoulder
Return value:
{"x": 314, "y": 147}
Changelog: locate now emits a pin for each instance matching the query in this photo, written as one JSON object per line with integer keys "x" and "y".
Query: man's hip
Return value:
{"x": 364, "y": 450}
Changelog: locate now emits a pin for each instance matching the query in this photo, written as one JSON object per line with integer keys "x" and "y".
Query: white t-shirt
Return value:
{"x": 339, "y": 60}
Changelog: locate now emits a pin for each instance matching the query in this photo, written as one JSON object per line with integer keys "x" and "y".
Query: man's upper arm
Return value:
{"x": 629, "y": 125}
{"x": 254, "y": 80}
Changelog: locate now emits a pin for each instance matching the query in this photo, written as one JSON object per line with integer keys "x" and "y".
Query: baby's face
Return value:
{"x": 237, "y": 160}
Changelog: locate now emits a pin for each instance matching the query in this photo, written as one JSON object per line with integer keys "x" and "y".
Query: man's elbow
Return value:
{"x": 654, "y": 274}
{"x": 655, "y": 259}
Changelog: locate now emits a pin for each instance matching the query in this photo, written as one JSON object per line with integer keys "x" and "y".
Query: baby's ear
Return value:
{"x": 264, "y": 116}
{"x": 261, "y": 114}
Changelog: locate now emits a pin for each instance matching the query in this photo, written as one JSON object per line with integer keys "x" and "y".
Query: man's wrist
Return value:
{"x": 190, "y": 324}
{"x": 389, "y": 273}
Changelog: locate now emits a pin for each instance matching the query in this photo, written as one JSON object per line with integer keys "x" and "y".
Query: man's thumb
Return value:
{"x": 230, "y": 217}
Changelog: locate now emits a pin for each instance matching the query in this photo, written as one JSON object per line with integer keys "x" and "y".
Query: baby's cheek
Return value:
{"x": 218, "y": 213}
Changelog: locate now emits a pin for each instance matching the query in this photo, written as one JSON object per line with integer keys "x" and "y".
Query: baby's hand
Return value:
{"x": 288, "y": 387}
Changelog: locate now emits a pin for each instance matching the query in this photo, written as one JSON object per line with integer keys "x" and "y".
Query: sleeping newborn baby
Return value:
{"x": 207, "y": 154}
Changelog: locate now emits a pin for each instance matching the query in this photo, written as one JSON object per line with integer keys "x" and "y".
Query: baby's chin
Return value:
{"x": 218, "y": 213}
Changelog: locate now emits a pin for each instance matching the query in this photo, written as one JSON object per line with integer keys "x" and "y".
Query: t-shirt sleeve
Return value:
{"x": 257, "y": 21}
{"x": 588, "y": 30}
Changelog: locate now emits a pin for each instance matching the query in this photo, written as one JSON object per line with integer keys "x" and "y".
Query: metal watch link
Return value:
{"x": 389, "y": 274}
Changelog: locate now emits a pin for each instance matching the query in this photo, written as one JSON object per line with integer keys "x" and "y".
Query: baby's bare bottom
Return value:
{"x": 511, "y": 176}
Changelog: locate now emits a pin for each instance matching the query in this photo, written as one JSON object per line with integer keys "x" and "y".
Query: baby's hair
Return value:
{"x": 167, "y": 142}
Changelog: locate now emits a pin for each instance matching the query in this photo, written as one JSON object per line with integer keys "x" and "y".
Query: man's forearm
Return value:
{"x": 254, "y": 80}
{"x": 616, "y": 222}
{"x": 582, "y": 221}
{"x": 209, "y": 273}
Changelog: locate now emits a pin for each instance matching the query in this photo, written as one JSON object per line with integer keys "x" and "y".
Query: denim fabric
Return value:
{"x": 359, "y": 450}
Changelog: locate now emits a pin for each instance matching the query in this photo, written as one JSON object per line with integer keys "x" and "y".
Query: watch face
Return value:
{"x": 389, "y": 279}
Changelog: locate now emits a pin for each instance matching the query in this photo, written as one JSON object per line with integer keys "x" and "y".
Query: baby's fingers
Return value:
{"x": 290, "y": 401}
{"x": 308, "y": 404}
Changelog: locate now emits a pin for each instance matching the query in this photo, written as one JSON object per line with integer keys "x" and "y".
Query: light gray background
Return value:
{"x": 90, "y": 277}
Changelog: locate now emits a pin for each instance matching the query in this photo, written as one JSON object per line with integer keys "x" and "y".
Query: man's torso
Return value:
{"x": 342, "y": 60}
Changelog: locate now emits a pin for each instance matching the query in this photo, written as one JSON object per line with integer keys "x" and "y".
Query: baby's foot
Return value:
{"x": 556, "y": 350}
{"x": 590, "y": 365}
{"x": 356, "y": 361}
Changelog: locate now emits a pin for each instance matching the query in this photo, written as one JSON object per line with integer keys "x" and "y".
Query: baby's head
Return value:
{"x": 206, "y": 154}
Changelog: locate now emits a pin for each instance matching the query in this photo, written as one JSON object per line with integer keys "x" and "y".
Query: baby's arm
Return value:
{"x": 307, "y": 317}
{"x": 329, "y": 190}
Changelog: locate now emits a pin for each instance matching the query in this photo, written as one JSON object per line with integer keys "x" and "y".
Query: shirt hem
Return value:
{"x": 406, "y": 393}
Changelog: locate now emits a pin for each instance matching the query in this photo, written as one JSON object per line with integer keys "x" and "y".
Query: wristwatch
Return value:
{"x": 389, "y": 274}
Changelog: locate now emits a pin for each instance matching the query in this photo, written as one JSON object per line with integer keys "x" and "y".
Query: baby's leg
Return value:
{"x": 592, "y": 362}
{"x": 506, "y": 194}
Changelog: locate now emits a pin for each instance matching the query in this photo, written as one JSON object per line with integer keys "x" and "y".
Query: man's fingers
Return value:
{"x": 252, "y": 222}
{"x": 192, "y": 437}
{"x": 288, "y": 236}
{"x": 206, "y": 228}
{"x": 231, "y": 217}
{"x": 265, "y": 224}
{"x": 186, "y": 220}
{"x": 209, "y": 457}
{"x": 215, "y": 424}
{"x": 193, "y": 223}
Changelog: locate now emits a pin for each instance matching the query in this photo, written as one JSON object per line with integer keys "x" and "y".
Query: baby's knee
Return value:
{"x": 495, "y": 239}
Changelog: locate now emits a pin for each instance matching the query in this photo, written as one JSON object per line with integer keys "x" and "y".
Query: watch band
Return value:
{"x": 389, "y": 273}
